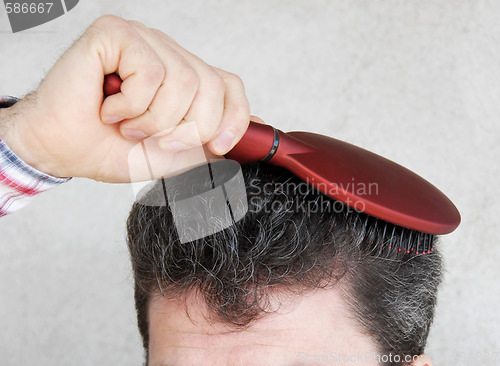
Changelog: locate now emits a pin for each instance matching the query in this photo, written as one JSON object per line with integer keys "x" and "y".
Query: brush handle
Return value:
{"x": 112, "y": 83}
{"x": 258, "y": 142}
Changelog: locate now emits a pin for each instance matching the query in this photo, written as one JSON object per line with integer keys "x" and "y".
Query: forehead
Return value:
{"x": 307, "y": 330}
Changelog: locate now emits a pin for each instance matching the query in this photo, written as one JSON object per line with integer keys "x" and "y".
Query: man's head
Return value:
{"x": 300, "y": 280}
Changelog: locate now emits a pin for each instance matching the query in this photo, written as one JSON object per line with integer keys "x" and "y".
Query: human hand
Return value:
{"x": 66, "y": 129}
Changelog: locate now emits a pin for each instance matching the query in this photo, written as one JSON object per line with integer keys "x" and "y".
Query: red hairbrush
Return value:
{"x": 340, "y": 170}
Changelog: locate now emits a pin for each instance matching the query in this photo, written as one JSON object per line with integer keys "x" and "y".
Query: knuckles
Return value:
{"x": 109, "y": 21}
{"x": 215, "y": 83}
{"x": 187, "y": 79}
{"x": 154, "y": 74}
{"x": 233, "y": 78}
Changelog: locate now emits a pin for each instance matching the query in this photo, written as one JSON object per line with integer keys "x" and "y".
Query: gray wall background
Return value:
{"x": 415, "y": 81}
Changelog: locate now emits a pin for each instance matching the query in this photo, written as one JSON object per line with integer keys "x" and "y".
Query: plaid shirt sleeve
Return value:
{"x": 19, "y": 182}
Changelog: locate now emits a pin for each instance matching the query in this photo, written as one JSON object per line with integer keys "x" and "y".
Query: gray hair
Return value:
{"x": 291, "y": 241}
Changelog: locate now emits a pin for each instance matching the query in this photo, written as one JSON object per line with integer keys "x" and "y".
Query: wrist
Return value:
{"x": 16, "y": 133}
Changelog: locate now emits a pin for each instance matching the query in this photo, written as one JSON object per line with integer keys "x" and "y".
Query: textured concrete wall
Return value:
{"x": 415, "y": 81}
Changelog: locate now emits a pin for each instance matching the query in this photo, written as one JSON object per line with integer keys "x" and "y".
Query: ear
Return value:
{"x": 422, "y": 360}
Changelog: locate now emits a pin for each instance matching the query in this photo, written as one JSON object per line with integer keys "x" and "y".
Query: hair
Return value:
{"x": 292, "y": 240}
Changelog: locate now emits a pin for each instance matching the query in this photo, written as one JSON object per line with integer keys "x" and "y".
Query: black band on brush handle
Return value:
{"x": 274, "y": 147}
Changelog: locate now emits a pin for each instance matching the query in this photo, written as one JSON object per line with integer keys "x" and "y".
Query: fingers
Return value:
{"x": 137, "y": 92}
{"x": 222, "y": 132}
{"x": 123, "y": 50}
{"x": 166, "y": 89}
{"x": 257, "y": 119}
{"x": 236, "y": 116}
{"x": 207, "y": 106}
{"x": 173, "y": 98}
{"x": 196, "y": 95}
{"x": 204, "y": 114}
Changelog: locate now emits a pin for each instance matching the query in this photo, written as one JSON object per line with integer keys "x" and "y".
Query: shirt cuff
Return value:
{"x": 20, "y": 183}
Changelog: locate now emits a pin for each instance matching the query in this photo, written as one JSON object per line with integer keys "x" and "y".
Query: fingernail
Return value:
{"x": 223, "y": 142}
{"x": 111, "y": 119}
{"x": 173, "y": 145}
{"x": 134, "y": 134}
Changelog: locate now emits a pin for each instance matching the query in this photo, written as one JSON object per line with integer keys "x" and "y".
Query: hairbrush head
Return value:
{"x": 357, "y": 177}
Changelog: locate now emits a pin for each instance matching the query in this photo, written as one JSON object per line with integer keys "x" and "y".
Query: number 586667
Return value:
{"x": 25, "y": 8}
